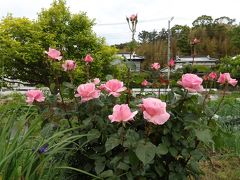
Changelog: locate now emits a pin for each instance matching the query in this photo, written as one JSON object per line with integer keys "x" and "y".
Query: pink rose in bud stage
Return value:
{"x": 133, "y": 17}
{"x": 122, "y": 113}
{"x": 154, "y": 111}
{"x": 87, "y": 92}
{"x": 205, "y": 77}
{"x": 54, "y": 54}
{"x": 34, "y": 95}
{"x": 88, "y": 58}
{"x": 114, "y": 87}
{"x": 212, "y": 75}
{"x": 96, "y": 81}
{"x": 69, "y": 65}
{"x": 171, "y": 63}
{"x": 191, "y": 82}
{"x": 195, "y": 41}
{"x": 101, "y": 87}
{"x": 226, "y": 78}
{"x": 155, "y": 66}
{"x": 145, "y": 83}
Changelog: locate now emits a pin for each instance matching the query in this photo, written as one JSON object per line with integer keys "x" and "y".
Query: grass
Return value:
{"x": 221, "y": 168}
{"x": 28, "y": 150}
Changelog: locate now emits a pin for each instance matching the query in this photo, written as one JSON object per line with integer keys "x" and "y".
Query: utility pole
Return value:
{"x": 169, "y": 47}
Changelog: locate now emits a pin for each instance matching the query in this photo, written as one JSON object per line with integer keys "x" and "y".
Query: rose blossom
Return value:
{"x": 212, "y": 75}
{"x": 191, "y": 82}
{"x": 122, "y": 113}
{"x": 171, "y": 63}
{"x": 88, "y": 58}
{"x": 114, "y": 87}
{"x": 87, "y": 92}
{"x": 69, "y": 65}
{"x": 96, "y": 81}
{"x": 154, "y": 111}
{"x": 145, "y": 83}
{"x": 34, "y": 95}
{"x": 54, "y": 54}
{"x": 226, "y": 78}
{"x": 155, "y": 66}
{"x": 133, "y": 17}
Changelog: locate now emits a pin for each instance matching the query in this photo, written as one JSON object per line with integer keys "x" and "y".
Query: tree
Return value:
{"x": 23, "y": 42}
{"x": 181, "y": 35}
{"x": 203, "y": 20}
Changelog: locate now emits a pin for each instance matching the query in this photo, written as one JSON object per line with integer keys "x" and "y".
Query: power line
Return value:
{"x": 124, "y": 23}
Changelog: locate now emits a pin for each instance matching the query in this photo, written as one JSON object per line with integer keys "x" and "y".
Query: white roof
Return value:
{"x": 189, "y": 59}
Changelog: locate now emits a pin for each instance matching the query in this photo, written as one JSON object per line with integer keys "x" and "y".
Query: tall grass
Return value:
{"x": 25, "y": 153}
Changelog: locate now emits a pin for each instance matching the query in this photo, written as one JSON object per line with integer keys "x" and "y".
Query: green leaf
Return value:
{"x": 93, "y": 134}
{"x": 123, "y": 166}
{"x": 68, "y": 85}
{"x": 99, "y": 165}
{"x": 109, "y": 77}
{"x": 111, "y": 143}
{"x": 204, "y": 135}
{"x": 106, "y": 174}
{"x": 145, "y": 152}
{"x": 173, "y": 151}
{"x": 132, "y": 138}
{"x": 161, "y": 149}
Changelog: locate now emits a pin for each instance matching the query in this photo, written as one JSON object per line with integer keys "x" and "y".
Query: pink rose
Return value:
{"x": 212, "y": 75}
{"x": 155, "y": 66}
{"x": 171, "y": 63}
{"x": 96, "y": 81}
{"x": 133, "y": 17}
{"x": 154, "y": 111}
{"x": 145, "y": 83}
{"x": 54, "y": 54}
{"x": 69, "y": 65}
{"x": 34, "y": 95}
{"x": 191, "y": 82}
{"x": 87, "y": 92}
{"x": 122, "y": 113}
{"x": 88, "y": 58}
{"x": 114, "y": 87}
{"x": 195, "y": 41}
{"x": 226, "y": 78}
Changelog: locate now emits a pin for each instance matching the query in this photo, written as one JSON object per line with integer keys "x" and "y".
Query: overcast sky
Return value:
{"x": 111, "y": 15}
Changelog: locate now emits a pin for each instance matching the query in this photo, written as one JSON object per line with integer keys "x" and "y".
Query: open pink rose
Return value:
{"x": 69, "y": 65}
{"x": 87, "y": 92}
{"x": 114, "y": 87}
{"x": 155, "y": 66}
{"x": 88, "y": 58}
{"x": 212, "y": 75}
{"x": 191, "y": 82}
{"x": 145, "y": 83}
{"x": 34, "y": 95}
{"x": 226, "y": 78}
{"x": 122, "y": 113}
{"x": 154, "y": 111}
{"x": 54, "y": 54}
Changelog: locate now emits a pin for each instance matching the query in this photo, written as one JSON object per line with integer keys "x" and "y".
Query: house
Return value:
{"x": 198, "y": 60}
{"x": 134, "y": 58}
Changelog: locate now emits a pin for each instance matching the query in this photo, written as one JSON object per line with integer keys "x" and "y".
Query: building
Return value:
{"x": 198, "y": 60}
{"x": 134, "y": 58}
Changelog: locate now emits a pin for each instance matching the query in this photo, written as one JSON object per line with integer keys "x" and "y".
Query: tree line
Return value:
{"x": 218, "y": 38}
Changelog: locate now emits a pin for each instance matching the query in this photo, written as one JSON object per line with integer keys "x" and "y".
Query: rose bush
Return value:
{"x": 129, "y": 136}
